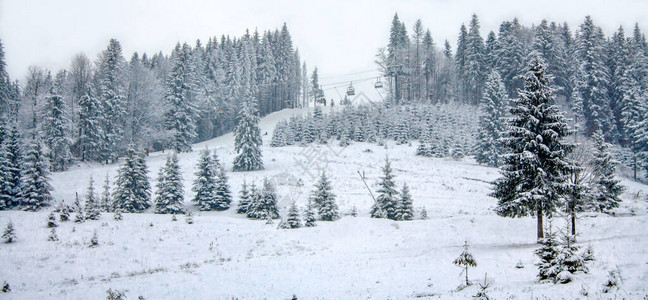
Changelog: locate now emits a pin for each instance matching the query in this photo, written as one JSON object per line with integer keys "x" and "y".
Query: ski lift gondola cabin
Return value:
{"x": 351, "y": 90}
{"x": 378, "y": 83}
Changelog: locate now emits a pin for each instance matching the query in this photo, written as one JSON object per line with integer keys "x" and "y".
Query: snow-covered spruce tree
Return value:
{"x": 535, "y": 169}
{"x": 111, "y": 90}
{"x": 91, "y": 133}
{"x": 293, "y": 220}
{"x": 169, "y": 196}
{"x": 10, "y": 233}
{"x": 180, "y": 118}
{"x": 559, "y": 259}
{"x": 55, "y": 128}
{"x": 53, "y": 237}
{"x": 424, "y": 215}
{"x": 248, "y": 139}
{"x": 492, "y": 122}
{"x": 465, "y": 260}
{"x": 51, "y": 221}
{"x": 205, "y": 183}
{"x": 309, "y": 215}
{"x": 569, "y": 259}
{"x": 387, "y": 201}
{"x": 64, "y": 214}
{"x": 264, "y": 203}
{"x": 323, "y": 197}
{"x": 254, "y": 201}
{"x": 607, "y": 189}
{"x": 106, "y": 203}
{"x": 244, "y": 199}
{"x": 117, "y": 215}
{"x": 548, "y": 251}
{"x": 590, "y": 50}
{"x": 11, "y": 167}
{"x": 36, "y": 188}
{"x": 405, "y": 209}
{"x": 5, "y": 193}
{"x": 92, "y": 209}
{"x": 132, "y": 188}
{"x": 279, "y": 135}
{"x": 94, "y": 241}
{"x": 223, "y": 196}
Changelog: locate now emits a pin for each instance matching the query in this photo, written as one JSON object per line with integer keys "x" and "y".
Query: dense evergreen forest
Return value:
{"x": 95, "y": 109}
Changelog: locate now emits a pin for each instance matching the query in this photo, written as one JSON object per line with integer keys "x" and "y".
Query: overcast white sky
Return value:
{"x": 338, "y": 36}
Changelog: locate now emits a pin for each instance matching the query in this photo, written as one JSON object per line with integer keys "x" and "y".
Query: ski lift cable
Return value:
{"x": 346, "y": 82}
{"x": 354, "y": 73}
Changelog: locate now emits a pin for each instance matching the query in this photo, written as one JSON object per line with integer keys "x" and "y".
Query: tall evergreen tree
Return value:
{"x": 474, "y": 65}
{"x": 181, "y": 115}
{"x": 205, "y": 183}
{"x": 264, "y": 203}
{"x": 244, "y": 199}
{"x": 510, "y": 55}
{"x": 132, "y": 187}
{"x": 223, "y": 196}
{"x": 10, "y": 167}
{"x": 112, "y": 94}
{"x": 90, "y": 130}
{"x": 55, "y": 127}
{"x": 492, "y": 122}
{"x": 248, "y": 139}
{"x": 405, "y": 209}
{"x": 387, "y": 201}
{"x": 323, "y": 197}
{"x": 91, "y": 202}
{"x": 35, "y": 191}
{"x": 606, "y": 188}
{"x": 170, "y": 191}
{"x": 106, "y": 203}
{"x": 596, "y": 101}
{"x": 535, "y": 169}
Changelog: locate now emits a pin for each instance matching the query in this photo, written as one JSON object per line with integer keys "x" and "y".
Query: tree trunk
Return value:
{"x": 573, "y": 222}
{"x": 540, "y": 231}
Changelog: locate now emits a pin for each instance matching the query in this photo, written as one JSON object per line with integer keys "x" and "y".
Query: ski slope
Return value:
{"x": 224, "y": 255}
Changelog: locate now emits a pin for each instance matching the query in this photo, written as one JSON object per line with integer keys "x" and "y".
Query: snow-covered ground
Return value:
{"x": 224, "y": 255}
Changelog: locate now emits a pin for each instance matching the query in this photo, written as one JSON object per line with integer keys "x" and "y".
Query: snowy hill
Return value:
{"x": 224, "y": 255}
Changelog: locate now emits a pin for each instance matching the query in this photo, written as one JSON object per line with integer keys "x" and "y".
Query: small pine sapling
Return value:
{"x": 115, "y": 295}
{"x": 173, "y": 218}
{"x": 424, "y": 215}
{"x": 354, "y": 211}
{"x": 79, "y": 218}
{"x": 244, "y": 199}
{"x": 5, "y": 287}
{"x": 293, "y": 221}
{"x": 465, "y": 260}
{"x": 53, "y": 237}
{"x": 64, "y": 215}
{"x": 189, "y": 218}
{"x": 10, "y": 233}
{"x": 117, "y": 215}
{"x": 51, "y": 221}
{"x": 481, "y": 294}
{"x": 612, "y": 281}
{"x": 309, "y": 216}
{"x": 548, "y": 251}
{"x": 94, "y": 241}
